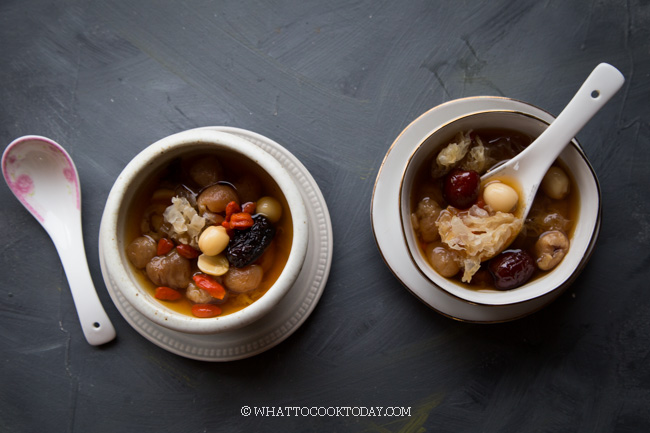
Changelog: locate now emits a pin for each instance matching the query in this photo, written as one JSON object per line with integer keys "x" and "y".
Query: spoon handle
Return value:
{"x": 96, "y": 325}
{"x": 599, "y": 87}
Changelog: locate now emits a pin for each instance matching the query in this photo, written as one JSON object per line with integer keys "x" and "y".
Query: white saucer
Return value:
{"x": 292, "y": 310}
{"x": 386, "y": 218}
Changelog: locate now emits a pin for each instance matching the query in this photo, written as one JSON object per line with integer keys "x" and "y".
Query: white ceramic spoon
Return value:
{"x": 530, "y": 166}
{"x": 43, "y": 177}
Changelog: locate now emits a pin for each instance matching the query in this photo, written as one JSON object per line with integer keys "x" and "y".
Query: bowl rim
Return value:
{"x": 589, "y": 244}
{"x": 154, "y": 157}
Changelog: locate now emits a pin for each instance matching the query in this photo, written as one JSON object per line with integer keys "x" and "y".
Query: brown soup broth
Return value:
{"x": 175, "y": 176}
{"x": 503, "y": 144}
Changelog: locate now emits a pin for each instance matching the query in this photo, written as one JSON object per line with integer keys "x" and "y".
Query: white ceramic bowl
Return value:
{"x": 116, "y": 268}
{"x": 587, "y": 222}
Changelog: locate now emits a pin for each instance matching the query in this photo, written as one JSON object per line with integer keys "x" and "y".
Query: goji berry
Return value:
{"x": 164, "y": 246}
{"x": 210, "y": 285}
{"x": 205, "y": 310}
{"x": 167, "y": 294}
{"x": 187, "y": 251}
{"x": 232, "y": 208}
{"x": 241, "y": 220}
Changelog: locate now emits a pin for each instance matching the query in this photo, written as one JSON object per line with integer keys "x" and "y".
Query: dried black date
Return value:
{"x": 246, "y": 246}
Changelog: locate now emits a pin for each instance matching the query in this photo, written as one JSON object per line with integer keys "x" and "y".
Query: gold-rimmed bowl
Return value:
{"x": 587, "y": 221}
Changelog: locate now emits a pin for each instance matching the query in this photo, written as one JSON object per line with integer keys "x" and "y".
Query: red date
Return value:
{"x": 461, "y": 188}
{"x": 511, "y": 269}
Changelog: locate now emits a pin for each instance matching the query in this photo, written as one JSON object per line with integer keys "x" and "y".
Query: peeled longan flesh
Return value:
{"x": 443, "y": 261}
{"x": 141, "y": 250}
{"x": 555, "y": 183}
{"x": 216, "y": 197}
{"x": 424, "y": 219}
{"x": 171, "y": 270}
{"x": 270, "y": 208}
{"x": 241, "y": 280}
{"x": 500, "y": 197}
{"x": 197, "y": 295}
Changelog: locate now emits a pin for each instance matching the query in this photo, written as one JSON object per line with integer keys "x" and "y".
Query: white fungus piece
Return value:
{"x": 424, "y": 219}
{"x": 477, "y": 235}
{"x": 185, "y": 224}
{"x": 451, "y": 154}
{"x": 476, "y": 158}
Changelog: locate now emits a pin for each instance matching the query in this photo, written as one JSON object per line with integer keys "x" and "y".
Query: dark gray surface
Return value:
{"x": 334, "y": 82}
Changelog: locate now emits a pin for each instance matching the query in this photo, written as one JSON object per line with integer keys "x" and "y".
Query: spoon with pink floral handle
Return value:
{"x": 43, "y": 177}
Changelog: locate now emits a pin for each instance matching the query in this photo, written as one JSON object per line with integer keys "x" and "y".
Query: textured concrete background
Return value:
{"x": 334, "y": 82}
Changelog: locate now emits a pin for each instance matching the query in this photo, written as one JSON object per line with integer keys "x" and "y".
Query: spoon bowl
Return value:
{"x": 42, "y": 176}
{"x": 529, "y": 167}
